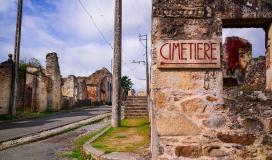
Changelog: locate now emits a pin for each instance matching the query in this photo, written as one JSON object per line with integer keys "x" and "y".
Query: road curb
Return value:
{"x": 50, "y": 132}
{"x": 89, "y": 150}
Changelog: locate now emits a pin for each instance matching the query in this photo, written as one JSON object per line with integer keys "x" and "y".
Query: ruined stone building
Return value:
{"x": 192, "y": 116}
{"x": 35, "y": 90}
{"x": 237, "y": 54}
{"x": 239, "y": 66}
{"x": 70, "y": 91}
{"x": 74, "y": 92}
{"x": 5, "y": 85}
{"x": 99, "y": 86}
{"x": 39, "y": 88}
{"x": 92, "y": 90}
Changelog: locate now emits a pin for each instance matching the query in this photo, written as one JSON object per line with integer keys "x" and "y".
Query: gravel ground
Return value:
{"x": 50, "y": 148}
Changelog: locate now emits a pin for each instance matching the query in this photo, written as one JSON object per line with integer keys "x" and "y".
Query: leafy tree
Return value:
{"x": 24, "y": 63}
{"x": 126, "y": 84}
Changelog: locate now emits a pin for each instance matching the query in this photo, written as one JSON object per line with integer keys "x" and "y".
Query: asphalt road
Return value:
{"x": 51, "y": 148}
{"x": 12, "y": 130}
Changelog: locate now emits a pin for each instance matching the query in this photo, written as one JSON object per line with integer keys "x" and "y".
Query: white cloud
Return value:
{"x": 7, "y": 5}
{"x": 64, "y": 27}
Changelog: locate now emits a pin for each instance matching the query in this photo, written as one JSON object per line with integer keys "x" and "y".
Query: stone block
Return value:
{"x": 173, "y": 124}
{"x": 190, "y": 151}
{"x": 253, "y": 124}
{"x": 267, "y": 140}
{"x": 238, "y": 138}
{"x": 196, "y": 105}
{"x": 160, "y": 99}
{"x": 214, "y": 151}
{"x": 215, "y": 122}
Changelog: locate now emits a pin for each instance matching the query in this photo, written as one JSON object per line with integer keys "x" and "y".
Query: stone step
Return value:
{"x": 143, "y": 98}
{"x": 138, "y": 101}
{"x": 136, "y": 115}
{"x": 131, "y": 105}
{"x": 135, "y": 97}
{"x": 135, "y": 107}
{"x": 137, "y": 111}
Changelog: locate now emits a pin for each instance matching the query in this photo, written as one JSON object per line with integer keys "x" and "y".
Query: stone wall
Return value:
{"x": 5, "y": 86}
{"x": 269, "y": 57}
{"x": 82, "y": 88}
{"x": 92, "y": 93}
{"x": 35, "y": 93}
{"x": 237, "y": 54}
{"x": 189, "y": 118}
{"x": 99, "y": 86}
{"x": 70, "y": 90}
{"x": 54, "y": 90}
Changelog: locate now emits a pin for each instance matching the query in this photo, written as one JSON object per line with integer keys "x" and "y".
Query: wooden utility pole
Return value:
{"x": 16, "y": 57}
{"x": 144, "y": 38}
{"x": 117, "y": 57}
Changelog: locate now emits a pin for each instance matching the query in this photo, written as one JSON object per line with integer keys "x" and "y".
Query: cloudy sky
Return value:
{"x": 63, "y": 26}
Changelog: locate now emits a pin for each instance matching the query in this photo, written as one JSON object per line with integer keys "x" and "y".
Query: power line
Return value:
{"x": 97, "y": 28}
{"x": 100, "y": 32}
{"x": 101, "y": 14}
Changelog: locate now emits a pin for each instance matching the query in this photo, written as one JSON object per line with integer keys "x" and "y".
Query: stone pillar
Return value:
{"x": 54, "y": 91}
{"x": 269, "y": 58}
{"x": 184, "y": 95}
{"x": 5, "y": 85}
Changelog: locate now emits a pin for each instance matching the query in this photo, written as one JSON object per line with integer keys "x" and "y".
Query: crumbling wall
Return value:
{"x": 82, "y": 88}
{"x": 70, "y": 90}
{"x": 237, "y": 53}
{"x": 92, "y": 93}
{"x": 106, "y": 90}
{"x": 5, "y": 86}
{"x": 189, "y": 118}
{"x": 269, "y": 57}
{"x": 54, "y": 90}
{"x": 35, "y": 92}
{"x": 99, "y": 86}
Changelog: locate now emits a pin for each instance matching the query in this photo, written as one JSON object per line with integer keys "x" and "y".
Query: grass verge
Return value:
{"x": 77, "y": 152}
{"x": 21, "y": 115}
{"x": 132, "y": 136}
{"x": 25, "y": 115}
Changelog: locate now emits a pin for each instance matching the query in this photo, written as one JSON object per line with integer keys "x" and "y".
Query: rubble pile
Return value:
{"x": 249, "y": 117}
{"x": 255, "y": 77}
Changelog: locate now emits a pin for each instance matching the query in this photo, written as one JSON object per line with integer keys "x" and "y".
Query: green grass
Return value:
{"x": 21, "y": 115}
{"x": 132, "y": 136}
{"x": 25, "y": 115}
{"x": 77, "y": 148}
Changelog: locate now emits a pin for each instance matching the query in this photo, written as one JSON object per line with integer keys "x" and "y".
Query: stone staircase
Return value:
{"x": 136, "y": 106}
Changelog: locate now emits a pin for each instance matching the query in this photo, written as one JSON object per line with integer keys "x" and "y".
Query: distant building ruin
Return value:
{"x": 93, "y": 90}
{"x": 43, "y": 89}
{"x": 99, "y": 86}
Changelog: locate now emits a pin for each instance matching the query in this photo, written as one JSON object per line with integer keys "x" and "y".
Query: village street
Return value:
{"x": 52, "y": 148}
{"x": 12, "y": 130}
